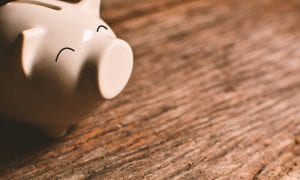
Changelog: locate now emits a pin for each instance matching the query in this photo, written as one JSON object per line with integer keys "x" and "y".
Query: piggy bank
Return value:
{"x": 58, "y": 61}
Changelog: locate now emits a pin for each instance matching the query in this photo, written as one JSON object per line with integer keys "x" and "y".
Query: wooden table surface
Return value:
{"x": 215, "y": 94}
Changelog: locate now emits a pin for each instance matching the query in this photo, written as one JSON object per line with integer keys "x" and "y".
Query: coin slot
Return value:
{"x": 54, "y": 7}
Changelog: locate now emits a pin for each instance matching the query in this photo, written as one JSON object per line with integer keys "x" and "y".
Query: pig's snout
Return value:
{"x": 114, "y": 68}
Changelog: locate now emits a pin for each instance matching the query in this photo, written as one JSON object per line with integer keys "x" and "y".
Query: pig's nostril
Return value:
{"x": 63, "y": 49}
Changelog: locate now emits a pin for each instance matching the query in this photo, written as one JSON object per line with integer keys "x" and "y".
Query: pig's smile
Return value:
{"x": 63, "y": 49}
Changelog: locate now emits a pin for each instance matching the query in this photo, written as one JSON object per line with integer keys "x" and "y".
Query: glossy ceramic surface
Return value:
{"x": 58, "y": 61}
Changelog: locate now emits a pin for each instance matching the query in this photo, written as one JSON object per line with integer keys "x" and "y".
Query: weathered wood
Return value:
{"x": 215, "y": 94}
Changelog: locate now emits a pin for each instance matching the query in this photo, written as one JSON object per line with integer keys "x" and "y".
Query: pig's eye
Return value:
{"x": 101, "y": 27}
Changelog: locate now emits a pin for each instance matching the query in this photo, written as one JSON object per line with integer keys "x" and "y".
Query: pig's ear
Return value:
{"x": 31, "y": 41}
{"x": 91, "y": 7}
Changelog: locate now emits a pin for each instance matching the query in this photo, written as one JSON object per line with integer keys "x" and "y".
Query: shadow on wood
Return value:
{"x": 2, "y": 2}
{"x": 18, "y": 139}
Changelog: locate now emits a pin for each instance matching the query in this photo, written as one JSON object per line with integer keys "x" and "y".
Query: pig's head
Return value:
{"x": 62, "y": 38}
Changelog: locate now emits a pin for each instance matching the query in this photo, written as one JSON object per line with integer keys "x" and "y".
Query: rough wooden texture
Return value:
{"x": 215, "y": 94}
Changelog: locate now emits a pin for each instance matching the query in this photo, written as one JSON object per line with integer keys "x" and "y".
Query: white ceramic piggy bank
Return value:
{"x": 58, "y": 60}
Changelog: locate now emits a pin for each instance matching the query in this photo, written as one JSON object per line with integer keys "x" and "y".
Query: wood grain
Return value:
{"x": 215, "y": 94}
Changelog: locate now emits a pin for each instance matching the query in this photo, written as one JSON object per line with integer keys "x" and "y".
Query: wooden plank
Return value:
{"x": 215, "y": 94}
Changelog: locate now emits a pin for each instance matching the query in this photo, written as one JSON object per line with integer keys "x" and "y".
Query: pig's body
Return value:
{"x": 57, "y": 61}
